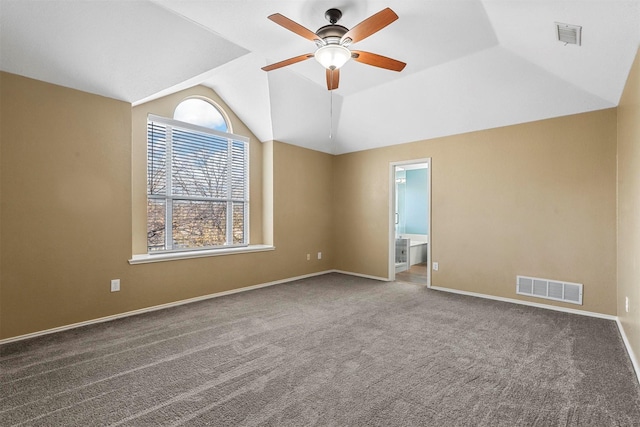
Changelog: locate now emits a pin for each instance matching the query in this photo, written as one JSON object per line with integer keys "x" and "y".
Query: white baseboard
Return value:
{"x": 157, "y": 307}
{"x": 627, "y": 344}
{"x": 531, "y": 304}
{"x": 366, "y": 276}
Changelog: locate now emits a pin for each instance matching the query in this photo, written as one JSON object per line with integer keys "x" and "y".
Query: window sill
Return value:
{"x": 170, "y": 256}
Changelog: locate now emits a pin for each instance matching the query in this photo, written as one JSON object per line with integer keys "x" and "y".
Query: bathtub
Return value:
{"x": 417, "y": 249}
{"x": 417, "y": 252}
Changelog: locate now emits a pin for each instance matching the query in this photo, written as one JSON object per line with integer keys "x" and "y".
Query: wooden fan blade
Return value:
{"x": 371, "y": 25}
{"x": 288, "y": 62}
{"x": 377, "y": 60}
{"x": 333, "y": 78}
{"x": 293, "y": 26}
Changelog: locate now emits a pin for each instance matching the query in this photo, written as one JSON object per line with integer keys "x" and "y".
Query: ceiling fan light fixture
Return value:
{"x": 332, "y": 56}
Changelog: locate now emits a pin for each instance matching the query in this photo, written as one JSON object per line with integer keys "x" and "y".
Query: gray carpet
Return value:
{"x": 332, "y": 350}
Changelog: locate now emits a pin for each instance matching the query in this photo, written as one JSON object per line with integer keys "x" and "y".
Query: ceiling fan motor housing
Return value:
{"x": 332, "y": 34}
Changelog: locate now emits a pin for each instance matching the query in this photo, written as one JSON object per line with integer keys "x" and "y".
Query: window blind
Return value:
{"x": 197, "y": 187}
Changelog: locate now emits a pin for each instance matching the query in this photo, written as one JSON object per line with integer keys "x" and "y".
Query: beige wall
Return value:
{"x": 536, "y": 199}
{"x": 66, "y": 214}
{"x": 629, "y": 207}
{"x": 66, "y": 208}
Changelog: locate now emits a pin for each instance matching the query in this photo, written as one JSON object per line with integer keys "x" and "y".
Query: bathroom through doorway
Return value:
{"x": 410, "y": 221}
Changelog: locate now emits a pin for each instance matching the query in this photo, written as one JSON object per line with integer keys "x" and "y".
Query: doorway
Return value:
{"x": 410, "y": 221}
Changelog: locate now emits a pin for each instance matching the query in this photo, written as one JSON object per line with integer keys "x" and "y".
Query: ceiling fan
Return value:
{"x": 333, "y": 43}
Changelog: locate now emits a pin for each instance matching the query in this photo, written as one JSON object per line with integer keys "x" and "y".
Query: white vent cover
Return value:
{"x": 569, "y": 34}
{"x": 549, "y": 289}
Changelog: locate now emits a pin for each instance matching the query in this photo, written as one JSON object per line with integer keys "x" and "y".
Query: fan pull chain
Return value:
{"x": 331, "y": 113}
{"x": 331, "y": 109}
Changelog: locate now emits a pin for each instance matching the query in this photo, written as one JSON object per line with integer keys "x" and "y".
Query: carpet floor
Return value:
{"x": 331, "y": 350}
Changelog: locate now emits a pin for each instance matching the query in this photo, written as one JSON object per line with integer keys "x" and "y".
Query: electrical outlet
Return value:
{"x": 308, "y": 257}
{"x": 319, "y": 255}
{"x": 626, "y": 304}
{"x": 435, "y": 266}
{"x": 115, "y": 285}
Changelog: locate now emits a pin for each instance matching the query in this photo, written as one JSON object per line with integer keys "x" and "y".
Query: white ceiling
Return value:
{"x": 472, "y": 64}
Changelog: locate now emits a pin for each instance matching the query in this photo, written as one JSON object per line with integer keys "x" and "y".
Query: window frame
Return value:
{"x": 168, "y": 197}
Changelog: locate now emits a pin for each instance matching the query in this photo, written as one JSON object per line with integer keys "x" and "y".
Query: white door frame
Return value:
{"x": 392, "y": 215}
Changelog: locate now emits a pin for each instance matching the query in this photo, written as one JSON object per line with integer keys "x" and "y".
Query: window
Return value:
{"x": 199, "y": 112}
{"x": 197, "y": 186}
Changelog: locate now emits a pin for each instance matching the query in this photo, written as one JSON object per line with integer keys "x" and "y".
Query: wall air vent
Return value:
{"x": 569, "y": 34}
{"x": 549, "y": 289}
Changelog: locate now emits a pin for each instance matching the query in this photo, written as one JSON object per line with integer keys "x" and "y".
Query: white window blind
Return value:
{"x": 197, "y": 187}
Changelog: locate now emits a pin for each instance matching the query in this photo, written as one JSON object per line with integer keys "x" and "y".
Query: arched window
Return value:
{"x": 200, "y": 112}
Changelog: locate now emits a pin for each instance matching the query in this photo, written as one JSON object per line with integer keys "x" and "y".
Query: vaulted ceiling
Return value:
{"x": 471, "y": 64}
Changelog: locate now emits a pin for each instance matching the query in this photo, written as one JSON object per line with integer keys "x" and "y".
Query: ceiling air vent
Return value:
{"x": 568, "y": 34}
